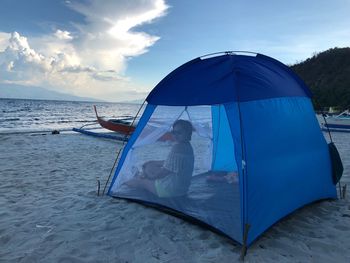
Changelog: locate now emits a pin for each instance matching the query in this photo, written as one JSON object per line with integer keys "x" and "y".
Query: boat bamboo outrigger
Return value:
{"x": 340, "y": 122}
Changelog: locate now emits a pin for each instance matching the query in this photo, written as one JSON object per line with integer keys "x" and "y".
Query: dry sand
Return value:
{"x": 49, "y": 212}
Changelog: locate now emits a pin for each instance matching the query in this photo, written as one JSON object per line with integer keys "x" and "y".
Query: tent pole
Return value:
{"x": 110, "y": 173}
{"x": 244, "y": 172}
{"x": 245, "y": 237}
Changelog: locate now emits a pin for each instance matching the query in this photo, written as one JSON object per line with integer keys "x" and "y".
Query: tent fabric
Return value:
{"x": 285, "y": 170}
{"x": 227, "y": 78}
{"x": 143, "y": 121}
{"x": 259, "y": 153}
{"x": 222, "y": 141}
{"x": 215, "y": 203}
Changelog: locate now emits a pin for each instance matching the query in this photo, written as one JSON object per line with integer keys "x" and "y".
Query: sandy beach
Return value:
{"x": 49, "y": 212}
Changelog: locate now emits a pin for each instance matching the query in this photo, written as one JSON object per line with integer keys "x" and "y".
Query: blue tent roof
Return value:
{"x": 227, "y": 78}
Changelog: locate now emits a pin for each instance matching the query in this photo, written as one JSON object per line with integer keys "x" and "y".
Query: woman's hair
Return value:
{"x": 186, "y": 127}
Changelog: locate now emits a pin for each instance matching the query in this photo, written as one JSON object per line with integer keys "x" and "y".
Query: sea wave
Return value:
{"x": 9, "y": 119}
{"x": 40, "y": 115}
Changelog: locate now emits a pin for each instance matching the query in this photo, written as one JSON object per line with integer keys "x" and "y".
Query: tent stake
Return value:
{"x": 344, "y": 191}
{"x": 244, "y": 247}
{"x": 98, "y": 187}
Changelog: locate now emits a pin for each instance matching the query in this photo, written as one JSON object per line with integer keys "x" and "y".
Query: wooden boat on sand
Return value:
{"x": 123, "y": 128}
{"x": 122, "y": 125}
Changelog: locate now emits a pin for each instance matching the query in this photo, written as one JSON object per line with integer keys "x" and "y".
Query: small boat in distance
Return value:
{"x": 340, "y": 122}
{"x": 122, "y": 125}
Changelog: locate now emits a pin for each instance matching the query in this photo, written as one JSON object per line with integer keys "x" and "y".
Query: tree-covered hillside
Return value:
{"x": 328, "y": 76}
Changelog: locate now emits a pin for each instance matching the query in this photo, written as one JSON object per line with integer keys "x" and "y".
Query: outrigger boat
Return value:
{"x": 340, "y": 122}
{"x": 122, "y": 128}
{"x": 126, "y": 126}
{"x": 123, "y": 125}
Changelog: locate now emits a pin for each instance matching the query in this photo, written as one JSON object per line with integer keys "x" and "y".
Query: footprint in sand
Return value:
{"x": 4, "y": 239}
{"x": 342, "y": 227}
{"x": 204, "y": 236}
{"x": 214, "y": 245}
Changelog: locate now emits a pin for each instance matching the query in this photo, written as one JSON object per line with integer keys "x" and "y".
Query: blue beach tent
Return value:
{"x": 258, "y": 150}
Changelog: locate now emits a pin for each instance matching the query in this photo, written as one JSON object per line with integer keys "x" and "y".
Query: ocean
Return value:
{"x": 21, "y": 115}
{"x": 35, "y": 116}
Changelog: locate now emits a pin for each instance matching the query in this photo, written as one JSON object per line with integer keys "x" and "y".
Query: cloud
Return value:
{"x": 89, "y": 61}
{"x": 108, "y": 37}
{"x": 19, "y": 60}
{"x": 4, "y": 40}
{"x": 78, "y": 69}
{"x": 63, "y": 35}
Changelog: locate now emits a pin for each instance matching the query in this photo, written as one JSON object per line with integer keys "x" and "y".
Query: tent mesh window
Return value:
{"x": 201, "y": 177}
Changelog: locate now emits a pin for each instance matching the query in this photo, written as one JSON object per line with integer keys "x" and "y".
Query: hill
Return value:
{"x": 328, "y": 76}
{"x": 14, "y": 91}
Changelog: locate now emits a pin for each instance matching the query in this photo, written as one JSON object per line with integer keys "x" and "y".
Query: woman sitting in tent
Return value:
{"x": 171, "y": 177}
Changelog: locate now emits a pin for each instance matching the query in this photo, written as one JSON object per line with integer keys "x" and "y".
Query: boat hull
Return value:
{"x": 117, "y": 126}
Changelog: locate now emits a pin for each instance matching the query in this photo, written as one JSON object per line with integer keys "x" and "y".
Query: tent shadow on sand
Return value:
{"x": 259, "y": 153}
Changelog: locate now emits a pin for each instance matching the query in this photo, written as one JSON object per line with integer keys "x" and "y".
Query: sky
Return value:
{"x": 118, "y": 50}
